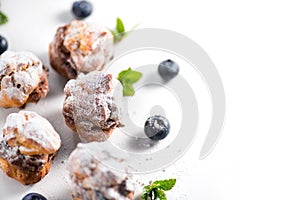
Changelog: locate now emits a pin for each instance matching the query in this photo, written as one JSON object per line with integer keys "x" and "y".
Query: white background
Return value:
{"x": 255, "y": 46}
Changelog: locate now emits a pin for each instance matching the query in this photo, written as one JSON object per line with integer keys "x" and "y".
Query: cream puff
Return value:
{"x": 93, "y": 180}
{"x": 89, "y": 107}
{"x": 80, "y": 47}
{"x": 28, "y": 144}
{"x": 23, "y": 78}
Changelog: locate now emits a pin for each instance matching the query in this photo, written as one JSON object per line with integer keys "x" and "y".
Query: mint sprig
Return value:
{"x": 120, "y": 26}
{"x": 156, "y": 191}
{"x": 128, "y": 78}
{"x": 119, "y": 32}
{"x": 3, "y": 18}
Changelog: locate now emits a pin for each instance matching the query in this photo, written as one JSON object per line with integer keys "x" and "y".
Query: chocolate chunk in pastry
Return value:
{"x": 28, "y": 144}
{"x": 80, "y": 47}
{"x": 89, "y": 107}
{"x": 93, "y": 180}
{"x": 23, "y": 78}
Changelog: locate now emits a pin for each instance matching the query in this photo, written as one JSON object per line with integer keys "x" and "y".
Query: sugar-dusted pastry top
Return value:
{"x": 31, "y": 134}
{"x": 89, "y": 107}
{"x": 93, "y": 180}
{"x": 80, "y": 47}
{"x": 22, "y": 78}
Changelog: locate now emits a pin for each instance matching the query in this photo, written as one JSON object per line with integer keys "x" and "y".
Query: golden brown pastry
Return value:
{"x": 28, "y": 144}
{"x": 95, "y": 181}
{"x": 89, "y": 108}
{"x": 80, "y": 47}
{"x": 23, "y": 79}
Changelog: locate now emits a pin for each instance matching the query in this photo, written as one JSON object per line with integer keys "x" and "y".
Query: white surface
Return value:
{"x": 56, "y": 184}
{"x": 255, "y": 46}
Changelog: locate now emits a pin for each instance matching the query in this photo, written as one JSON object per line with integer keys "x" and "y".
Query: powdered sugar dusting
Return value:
{"x": 20, "y": 74}
{"x": 31, "y": 133}
{"x": 91, "y": 102}
{"x": 91, "y": 178}
{"x": 90, "y": 46}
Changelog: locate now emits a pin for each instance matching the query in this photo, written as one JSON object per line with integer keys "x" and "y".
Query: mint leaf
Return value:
{"x": 160, "y": 194}
{"x": 115, "y": 34}
{"x": 129, "y": 75}
{"x": 120, "y": 26}
{"x": 156, "y": 191}
{"x": 119, "y": 31}
{"x": 145, "y": 196}
{"x": 122, "y": 73}
{"x": 128, "y": 78}
{"x": 3, "y": 18}
{"x": 146, "y": 192}
{"x": 149, "y": 193}
{"x": 164, "y": 184}
{"x": 128, "y": 90}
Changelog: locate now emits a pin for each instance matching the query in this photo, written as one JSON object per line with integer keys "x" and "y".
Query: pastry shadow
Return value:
{"x": 56, "y": 81}
{"x": 10, "y": 183}
{"x": 65, "y": 16}
{"x": 56, "y": 84}
{"x": 140, "y": 144}
{"x": 4, "y": 113}
{"x": 65, "y": 194}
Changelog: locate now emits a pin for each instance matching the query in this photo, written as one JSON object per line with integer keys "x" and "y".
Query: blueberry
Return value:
{"x": 168, "y": 69}
{"x": 157, "y": 127}
{"x": 3, "y": 44}
{"x": 34, "y": 196}
{"x": 82, "y": 9}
